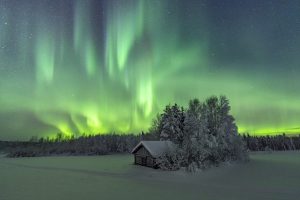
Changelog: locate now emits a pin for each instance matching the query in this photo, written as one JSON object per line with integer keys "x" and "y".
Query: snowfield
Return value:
{"x": 267, "y": 176}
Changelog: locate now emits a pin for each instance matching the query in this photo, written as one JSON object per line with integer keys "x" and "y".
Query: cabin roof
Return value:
{"x": 155, "y": 148}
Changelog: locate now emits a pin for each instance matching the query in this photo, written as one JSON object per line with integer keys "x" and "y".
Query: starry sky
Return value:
{"x": 96, "y": 66}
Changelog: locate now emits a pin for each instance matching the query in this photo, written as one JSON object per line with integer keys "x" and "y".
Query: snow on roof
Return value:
{"x": 155, "y": 148}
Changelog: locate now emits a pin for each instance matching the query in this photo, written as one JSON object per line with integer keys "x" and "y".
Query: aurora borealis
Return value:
{"x": 96, "y": 66}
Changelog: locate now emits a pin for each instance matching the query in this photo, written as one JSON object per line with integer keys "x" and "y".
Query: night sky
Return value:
{"x": 92, "y": 66}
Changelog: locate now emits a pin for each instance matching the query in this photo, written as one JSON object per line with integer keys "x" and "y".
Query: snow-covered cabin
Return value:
{"x": 146, "y": 152}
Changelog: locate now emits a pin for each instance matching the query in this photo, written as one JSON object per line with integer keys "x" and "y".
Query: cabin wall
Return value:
{"x": 143, "y": 157}
{"x": 150, "y": 162}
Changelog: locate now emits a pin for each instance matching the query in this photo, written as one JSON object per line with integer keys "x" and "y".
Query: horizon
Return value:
{"x": 110, "y": 66}
{"x": 69, "y": 136}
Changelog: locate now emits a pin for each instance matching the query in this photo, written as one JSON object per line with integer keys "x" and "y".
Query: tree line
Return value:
{"x": 114, "y": 143}
{"x": 82, "y": 145}
{"x": 272, "y": 143}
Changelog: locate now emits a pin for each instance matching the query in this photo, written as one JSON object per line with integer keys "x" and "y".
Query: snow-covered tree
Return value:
{"x": 156, "y": 127}
{"x": 205, "y": 134}
{"x": 222, "y": 127}
{"x": 172, "y": 122}
{"x": 194, "y": 130}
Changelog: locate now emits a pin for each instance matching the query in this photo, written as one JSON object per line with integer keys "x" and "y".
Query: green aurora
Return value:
{"x": 110, "y": 66}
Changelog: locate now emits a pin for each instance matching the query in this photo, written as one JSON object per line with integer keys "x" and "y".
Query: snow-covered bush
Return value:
{"x": 170, "y": 160}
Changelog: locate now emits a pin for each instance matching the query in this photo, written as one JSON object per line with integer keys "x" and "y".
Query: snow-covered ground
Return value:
{"x": 267, "y": 176}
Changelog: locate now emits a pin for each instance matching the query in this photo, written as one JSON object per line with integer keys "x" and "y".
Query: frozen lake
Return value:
{"x": 267, "y": 176}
